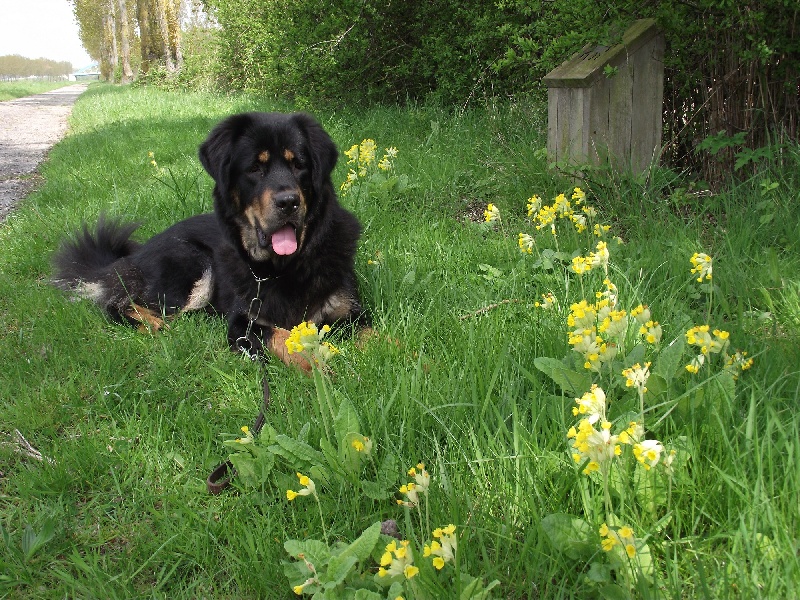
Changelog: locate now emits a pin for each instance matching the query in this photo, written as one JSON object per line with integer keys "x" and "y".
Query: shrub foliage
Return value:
{"x": 731, "y": 67}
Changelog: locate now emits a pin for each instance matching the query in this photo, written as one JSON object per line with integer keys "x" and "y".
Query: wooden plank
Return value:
{"x": 620, "y": 111}
{"x": 553, "y": 124}
{"x": 579, "y": 131}
{"x": 599, "y": 123}
{"x": 648, "y": 92}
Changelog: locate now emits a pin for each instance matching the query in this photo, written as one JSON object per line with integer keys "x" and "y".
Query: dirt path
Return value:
{"x": 29, "y": 127}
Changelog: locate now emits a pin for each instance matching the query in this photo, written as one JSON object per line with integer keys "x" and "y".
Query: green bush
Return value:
{"x": 729, "y": 67}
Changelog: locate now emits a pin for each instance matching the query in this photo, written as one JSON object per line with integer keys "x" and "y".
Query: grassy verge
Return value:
{"x": 19, "y": 89}
{"x": 130, "y": 424}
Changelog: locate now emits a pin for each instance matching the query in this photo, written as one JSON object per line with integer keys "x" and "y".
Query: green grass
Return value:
{"x": 134, "y": 422}
{"x": 20, "y": 88}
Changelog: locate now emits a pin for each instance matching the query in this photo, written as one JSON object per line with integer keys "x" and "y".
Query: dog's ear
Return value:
{"x": 323, "y": 152}
{"x": 215, "y": 152}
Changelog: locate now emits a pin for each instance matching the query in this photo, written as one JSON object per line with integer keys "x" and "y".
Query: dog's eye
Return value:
{"x": 298, "y": 163}
{"x": 254, "y": 168}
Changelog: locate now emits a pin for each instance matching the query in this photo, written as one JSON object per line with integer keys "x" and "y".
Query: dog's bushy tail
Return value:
{"x": 86, "y": 258}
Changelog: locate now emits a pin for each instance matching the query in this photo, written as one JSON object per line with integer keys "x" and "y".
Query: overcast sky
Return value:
{"x": 41, "y": 29}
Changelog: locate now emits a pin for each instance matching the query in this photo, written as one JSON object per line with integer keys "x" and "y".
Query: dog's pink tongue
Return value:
{"x": 284, "y": 241}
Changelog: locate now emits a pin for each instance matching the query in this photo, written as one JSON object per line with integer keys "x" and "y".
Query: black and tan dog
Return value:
{"x": 278, "y": 249}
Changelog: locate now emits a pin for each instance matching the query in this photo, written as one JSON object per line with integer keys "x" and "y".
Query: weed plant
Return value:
{"x": 451, "y": 424}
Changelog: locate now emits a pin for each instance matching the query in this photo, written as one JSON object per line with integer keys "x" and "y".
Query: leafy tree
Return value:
{"x": 14, "y": 66}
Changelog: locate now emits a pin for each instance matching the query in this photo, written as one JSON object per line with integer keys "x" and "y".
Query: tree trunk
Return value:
{"x": 108, "y": 51}
{"x": 125, "y": 47}
{"x": 160, "y": 7}
{"x": 174, "y": 28}
{"x": 144, "y": 15}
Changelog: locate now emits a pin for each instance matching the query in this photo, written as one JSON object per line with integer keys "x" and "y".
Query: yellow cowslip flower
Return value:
{"x": 548, "y": 301}
{"x": 582, "y": 314}
{"x": 702, "y": 266}
{"x": 651, "y": 331}
{"x": 592, "y": 404}
{"x": 694, "y": 365}
{"x": 306, "y": 338}
{"x": 623, "y": 536}
{"x": 608, "y": 295}
{"x": 562, "y": 206}
{"x": 491, "y": 214}
{"x": 545, "y": 216}
{"x": 648, "y": 453}
{"x": 641, "y": 313}
{"x": 581, "y": 264}
{"x": 362, "y": 444}
{"x": 636, "y": 376}
{"x": 351, "y": 178}
{"x": 612, "y": 323}
{"x": 599, "y": 446}
{"x": 709, "y": 343}
{"x": 385, "y": 164}
{"x": 409, "y": 490}
{"x": 578, "y": 195}
{"x": 422, "y": 479}
{"x": 533, "y": 205}
{"x": 397, "y": 560}
{"x": 443, "y": 547}
{"x": 248, "y": 436}
{"x": 738, "y": 362}
{"x": 352, "y": 154}
{"x": 526, "y": 243}
{"x": 590, "y": 212}
{"x": 366, "y": 152}
{"x": 601, "y": 230}
{"x": 600, "y": 257}
{"x": 308, "y": 488}
{"x": 299, "y": 589}
{"x": 579, "y": 221}
{"x": 633, "y": 433}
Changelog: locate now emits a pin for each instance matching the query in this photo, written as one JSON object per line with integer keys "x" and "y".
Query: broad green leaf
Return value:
{"x": 571, "y": 535}
{"x": 252, "y": 471}
{"x": 636, "y": 355}
{"x": 650, "y": 488}
{"x": 339, "y": 567}
{"x": 670, "y": 359}
{"x": 314, "y": 551}
{"x": 374, "y": 491}
{"x": 362, "y": 547}
{"x": 331, "y": 457}
{"x": 571, "y": 382}
{"x": 656, "y": 385}
{"x": 296, "y": 452}
{"x": 599, "y": 572}
{"x": 385, "y": 480}
{"x": 345, "y": 422}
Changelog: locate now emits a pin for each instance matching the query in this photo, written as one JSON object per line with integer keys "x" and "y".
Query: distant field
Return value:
{"x": 19, "y": 89}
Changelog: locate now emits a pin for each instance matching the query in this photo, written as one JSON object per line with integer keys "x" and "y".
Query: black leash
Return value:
{"x": 220, "y": 477}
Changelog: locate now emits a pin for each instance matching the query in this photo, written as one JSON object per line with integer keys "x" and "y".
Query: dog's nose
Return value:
{"x": 287, "y": 202}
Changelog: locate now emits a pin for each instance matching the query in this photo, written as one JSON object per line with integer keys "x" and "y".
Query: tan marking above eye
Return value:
{"x": 288, "y": 155}
{"x": 263, "y": 157}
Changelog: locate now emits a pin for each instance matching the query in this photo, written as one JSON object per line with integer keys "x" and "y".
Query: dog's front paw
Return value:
{"x": 277, "y": 345}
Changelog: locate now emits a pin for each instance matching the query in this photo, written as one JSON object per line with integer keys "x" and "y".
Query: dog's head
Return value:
{"x": 272, "y": 174}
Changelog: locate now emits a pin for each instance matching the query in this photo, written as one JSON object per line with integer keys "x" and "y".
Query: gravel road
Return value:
{"x": 29, "y": 127}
